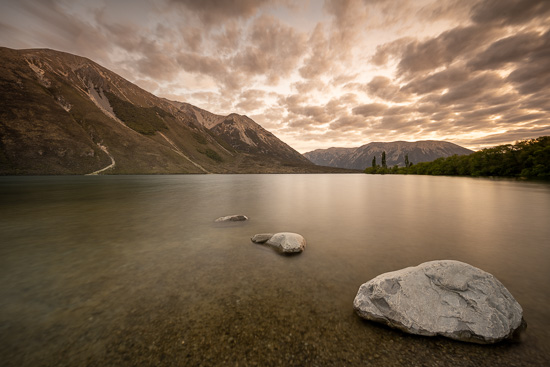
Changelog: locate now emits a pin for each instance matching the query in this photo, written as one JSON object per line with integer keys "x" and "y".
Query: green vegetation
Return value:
{"x": 212, "y": 154}
{"x": 144, "y": 120}
{"x": 201, "y": 139}
{"x": 527, "y": 158}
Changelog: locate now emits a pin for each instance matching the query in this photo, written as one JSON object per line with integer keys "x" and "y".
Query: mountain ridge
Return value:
{"x": 66, "y": 114}
{"x": 361, "y": 157}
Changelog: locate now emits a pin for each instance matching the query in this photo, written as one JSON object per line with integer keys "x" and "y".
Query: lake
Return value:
{"x": 132, "y": 270}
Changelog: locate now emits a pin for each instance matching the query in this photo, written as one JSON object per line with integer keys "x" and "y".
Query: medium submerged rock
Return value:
{"x": 232, "y": 218}
{"x": 446, "y": 297}
{"x": 261, "y": 237}
{"x": 288, "y": 242}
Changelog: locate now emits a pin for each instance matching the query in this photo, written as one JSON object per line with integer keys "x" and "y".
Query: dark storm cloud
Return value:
{"x": 441, "y": 80}
{"x": 349, "y": 123}
{"x": 442, "y": 50}
{"x": 473, "y": 88}
{"x": 339, "y": 106}
{"x": 532, "y": 74}
{"x": 370, "y": 109}
{"x": 193, "y": 38}
{"x": 316, "y": 113}
{"x": 304, "y": 124}
{"x": 309, "y": 86}
{"x": 194, "y": 62}
{"x": 300, "y": 113}
{"x": 440, "y": 116}
{"x": 394, "y": 122}
{"x": 53, "y": 27}
{"x": 319, "y": 60}
{"x": 506, "y": 50}
{"x": 274, "y": 51}
{"x": 509, "y": 12}
{"x": 228, "y": 38}
{"x": 523, "y": 117}
{"x": 490, "y": 111}
{"x": 513, "y": 135}
{"x": 251, "y": 99}
{"x": 386, "y": 51}
{"x": 537, "y": 101}
{"x": 459, "y": 77}
{"x": 215, "y": 11}
{"x": 443, "y": 10}
{"x": 382, "y": 87}
{"x": 157, "y": 65}
{"x": 343, "y": 79}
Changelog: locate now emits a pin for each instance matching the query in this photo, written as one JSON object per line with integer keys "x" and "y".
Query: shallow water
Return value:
{"x": 131, "y": 270}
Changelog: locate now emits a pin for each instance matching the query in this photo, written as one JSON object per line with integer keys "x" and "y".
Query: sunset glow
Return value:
{"x": 321, "y": 73}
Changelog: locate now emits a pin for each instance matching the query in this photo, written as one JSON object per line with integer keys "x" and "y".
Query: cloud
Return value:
{"x": 447, "y": 10}
{"x": 512, "y": 135}
{"x": 457, "y": 43}
{"x": 193, "y": 38}
{"x": 338, "y": 70}
{"x": 349, "y": 123}
{"x": 473, "y": 88}
{"x": 228, "y": 38}
{"x": 532, "y": 74}
{"x": 274, "y": 50}
{"x": 216, "y": 11}
{"x": 370, "y": 109}
{"x": 194, "y": 62}
{"x": 319, "y": 60}
{"x": 383, "y": 88}
{"x": 340, "y": 106}
{"x": 509, "y": 12}
{"x": 250, "y": 100}
{"x": 309, "y": 86}
{"x": 50, "y": 24}
{"x": 444, "y": 79}
{"x": 389, "y": 50}
{"x": 507, "y": 50}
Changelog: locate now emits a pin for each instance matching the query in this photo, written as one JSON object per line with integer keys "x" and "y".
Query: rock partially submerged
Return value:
{"x": 232, "y": 218}
{"x": 261, "y": 237}
{"x": 446, "y": 297}
{"x": 288, "y": 242}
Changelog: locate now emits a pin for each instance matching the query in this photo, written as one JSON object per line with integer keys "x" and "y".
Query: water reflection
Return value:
{"x": 122, "y": 270}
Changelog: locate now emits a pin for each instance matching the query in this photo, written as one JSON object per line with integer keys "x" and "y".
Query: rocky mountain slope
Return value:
{"x": 65, "y": 114}
{"x": 361, "y": 157}
{"x": 243, "y": 134}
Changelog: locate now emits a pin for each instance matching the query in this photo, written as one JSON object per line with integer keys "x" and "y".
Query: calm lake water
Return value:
{"x": 131, "y": 270}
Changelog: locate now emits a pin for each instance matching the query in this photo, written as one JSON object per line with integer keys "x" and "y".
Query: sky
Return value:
{"x": 320, "y": 73}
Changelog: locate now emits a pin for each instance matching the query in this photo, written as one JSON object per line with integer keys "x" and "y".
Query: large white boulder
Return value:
{"x": 448, "y": 298}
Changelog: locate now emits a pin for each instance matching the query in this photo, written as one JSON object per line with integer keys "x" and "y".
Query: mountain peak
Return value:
{"x": 361, "y": 157}
{"x": 65, "y": 114}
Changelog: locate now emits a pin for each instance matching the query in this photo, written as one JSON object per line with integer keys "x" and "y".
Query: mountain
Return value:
{"x": 361, "y": 158}
{"x": 245, "y": 135}
{"x": 65, "y": 114}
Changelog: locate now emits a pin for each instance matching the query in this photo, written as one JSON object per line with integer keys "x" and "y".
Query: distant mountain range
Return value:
{"x": 65, "y": 114}
{"x": 361, "y": 157}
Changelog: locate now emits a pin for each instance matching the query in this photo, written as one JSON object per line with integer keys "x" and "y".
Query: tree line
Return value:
{"x": 527, "y": 158}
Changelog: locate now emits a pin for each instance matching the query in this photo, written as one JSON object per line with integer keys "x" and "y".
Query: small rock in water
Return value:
{"x": 288, "y": 242}
{"x": 261, "y": 237}
{"x": 446, "y": 297}
{"x": 232, "y": 218}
